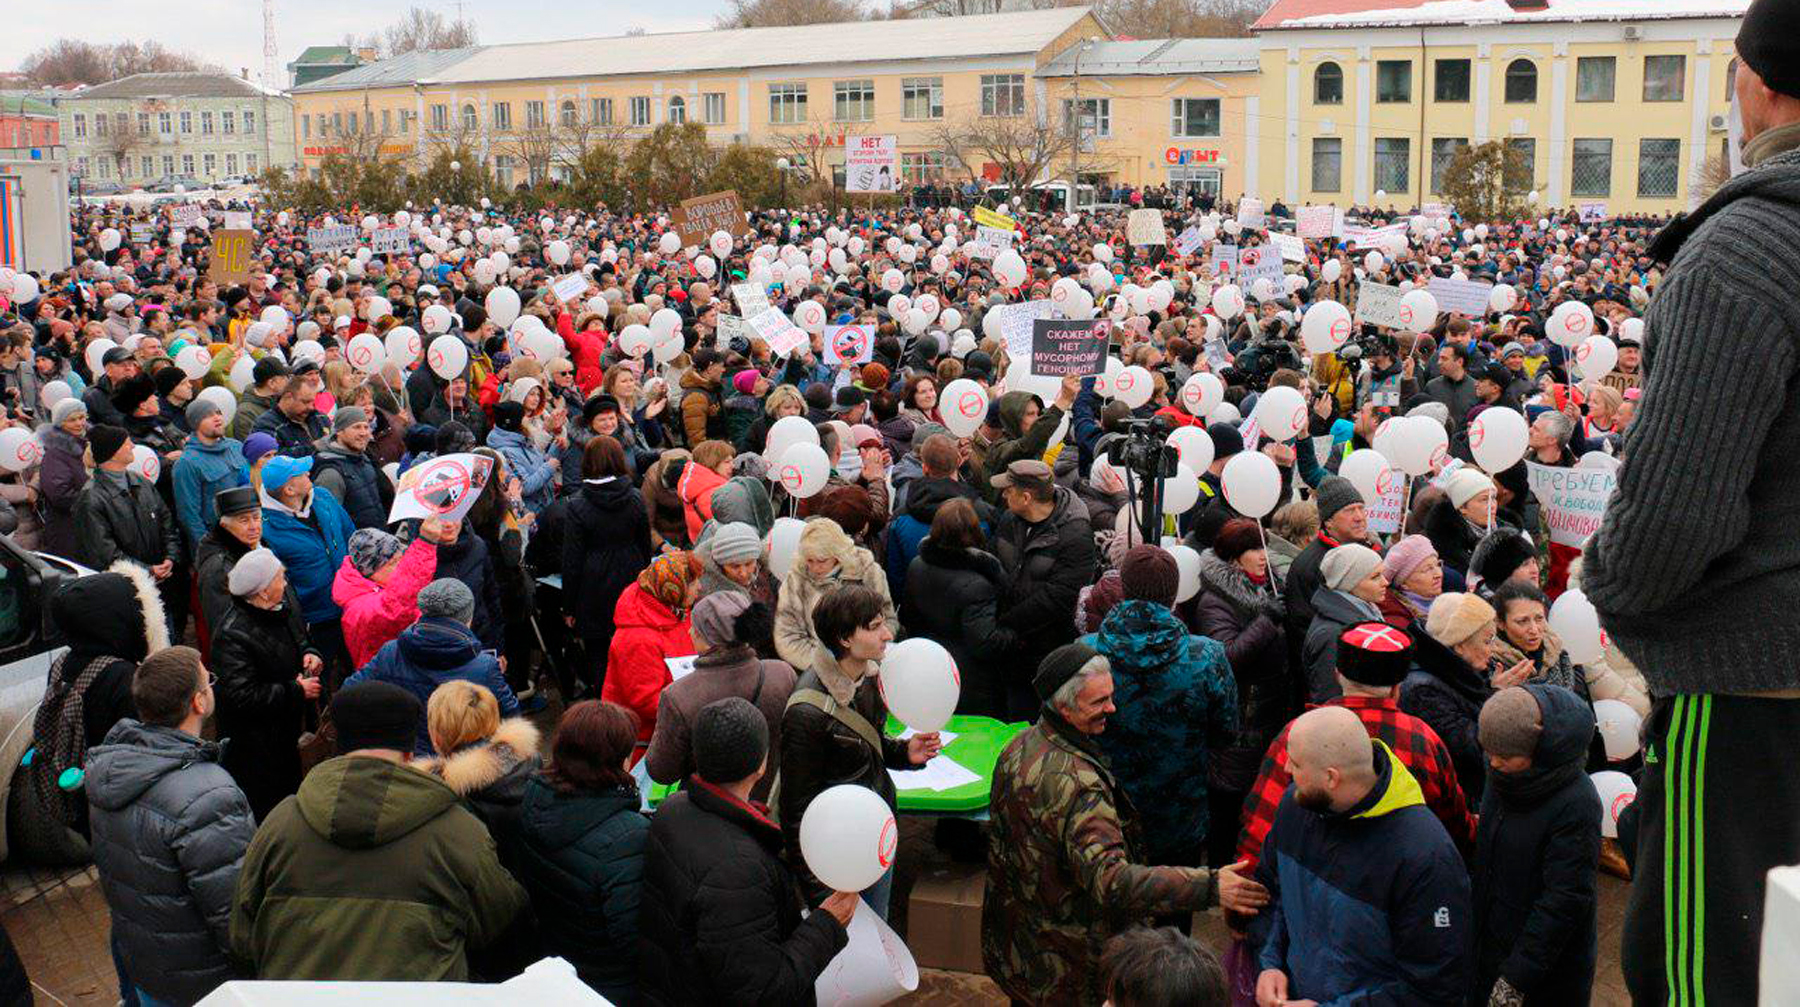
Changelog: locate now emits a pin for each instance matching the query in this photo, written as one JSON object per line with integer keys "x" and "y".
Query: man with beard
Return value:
{"x": 1368, "y": 899}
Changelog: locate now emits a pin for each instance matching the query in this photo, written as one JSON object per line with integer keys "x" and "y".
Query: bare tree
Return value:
{"x": 420, "y": 28}
{"x": 119, "y": 145}
{"x": 74, "y": 61}
{"x": 1180, "y": 18}
{"x": 1025, "y": 148}
{"x": 808, "y": 147}
{"x": 778, "y": 13}
{"x": 535, "y": 147}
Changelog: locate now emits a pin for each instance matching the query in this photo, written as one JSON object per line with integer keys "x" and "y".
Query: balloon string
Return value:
{"x": 1263, "y": 536}
{"x": 1405, "y": 509}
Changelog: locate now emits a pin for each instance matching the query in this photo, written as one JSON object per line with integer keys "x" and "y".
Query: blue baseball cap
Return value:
{"x": 281, "y": 468}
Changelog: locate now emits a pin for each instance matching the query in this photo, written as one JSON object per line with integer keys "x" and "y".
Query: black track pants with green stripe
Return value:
{"x": 1720, "y": 805}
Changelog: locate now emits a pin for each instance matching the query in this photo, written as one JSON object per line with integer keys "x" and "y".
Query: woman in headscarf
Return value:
{"x": 650, "y": 626}
{"x": 1415, "y": 578}
{"x": 827, "y": 559}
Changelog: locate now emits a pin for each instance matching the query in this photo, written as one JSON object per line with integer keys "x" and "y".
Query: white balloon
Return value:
{"x": 635, "y": 340}
{"x": 706, "y": 266}
{"x": 1193, "y": 447}
{"x": 1332, "y": 269}
{"x": 1573, "y": 618}
{"x": 664, "y": 349}
{"x": 447, "y": 357}
{"x": 503, "y": 305}
{"x": 786, "y": 432}
{"x": 1252, "y": 483}
{"x": 96, "y": 350}
{"x": 1370, "y": 473}
{"x": 1502, "y": 297}
{"x": 1420, "y": 443}
{"x": 1103, "y": 253}
{"x": 951, "y": 319}
{"x": 1373, "y": 262}
{"x": 144, "y": 461}
{"x": 669, "y": 243}
{"x": 19, "y": 451}
{"x": 1418, "y": 310}
{"x": 1632, "y": 328}
{"x": 222, "y": 398}
{"x": 378, "y": 308}
{"x": 848, "y": 837}
{"x": 1228, "y": 301}
{"x": 1498, "y": 438}
{"x": 1187, "y": 566}
{"x": 1617, "y": 790}
{"x": 1181, "y": 491}
{"x": 242, "y": 372}
{"x": 109, "y": 239}
{"x": 1325, "y": 327}
{"x": 557, "y": 252}
{"x": 54, "y": 392}
{"x": 1010, "y": 268}
{"x": 1595, "y": 357}
{"x": 1134, "y": 386}
{"x": 402, "y": 346}
{"x": 1225, "y": 412}
{"x": 1280, "y": 412}
{"x": 810, "y": 315}
{"x": 665, "y": 321}
{"x": 366, "y": 353}
{"x": 920, "y": 682}
{"x": 802, "y": 470}
{"x": 275, "y": 316}
{"x": 1202, "y": 394}
{"x": 1570, "y": 323}
{"x": 1619, "y": 726}
{"x": 1105, "y": 380}
{"x": 963, "y": 405}
{"x": 783, "y": 542}
{"x": 193, "y": 361}
{"x": 309, "y": 349}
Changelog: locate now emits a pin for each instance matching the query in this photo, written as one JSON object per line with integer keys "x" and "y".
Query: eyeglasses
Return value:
{"x": 211, "y": 679}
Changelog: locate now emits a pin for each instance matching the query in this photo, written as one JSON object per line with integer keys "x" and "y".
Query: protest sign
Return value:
{"x": 142, "y": 232}
{"x": 390, "y": 241}
{"x": 1314, "y": 221}
{"x": 1015, "y": 325}
{"x": 1064, "y": 346}
{"x": 237, "y": 220}
{"x": 184, "y": 215}
{"x": 1357, "y": 235}
{"x": 1435, "y": 210}
{"x": 1224, "y": 262}
{"x": 1259, "y": 262}
{"x": 731, "y": 327}
{"x": 849, "y": 344}
{"x": 1188, "y": 240}
{"x": 1378, "y": 304}
{"x": 696, "y": 219}
{"x": 570, "y": 287}
{"x": 1292, "y": 249}
{"x": 1592, "y": 213}
{"x": 331, "y": 240}
{"x": 1251, "y": 214}
{"x": 1574, "y": 500}
{"x": 1145, "y": 227}
{"x": 231, "y": 257}
{"x": 779, "y": 331}
{"x": 871, "y": 164}
{"x": 751, "y": 299}
{"x": 444, "y": 487}
{"x": 1468, "y": 298}
{"x": 1384, "y": 517}
{"x": 991, "y": 241}
{"x": 991, "y": 218}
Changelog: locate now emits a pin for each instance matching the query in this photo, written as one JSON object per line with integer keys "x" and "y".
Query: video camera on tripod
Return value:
{"x": 1145, "y": 453}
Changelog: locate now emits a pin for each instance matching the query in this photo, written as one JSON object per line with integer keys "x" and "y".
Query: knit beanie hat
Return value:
{"x": 1510, "y": 723}
{"x": 1149, "y": 573}
{"x": 1455, "y": 617}
{"x": 257, "y": 445}
{"x": 71, "y": 406}
{"x": 1097, "y": 599}
{"x": 733, "y": 542}
{"x": 715, "y": 616}
{"x": 1464, "y": 484}
{"x": 252, "y": 572}
{"x": 347, "y": 417}
{"x": 198, "y": 410}
{"x": 1506, "y": 551}
{"x": 1059, "y": 666}
{"x": 1334, "y": 494}
{"x": 447, "y": 598}
{"x": 1227, "y": 441}
{"x": 1405, "y": 556}
{"x": 745, "y": 381}
{"x": 509, "y": 416}
{"x": 376, "y": 715}
{"x": 1348, "y": 565}
{"x": 371, "y": 549}
{"x": 1374, "y": 653}
{"x": 105, "y": 440}
{"x": 167, "y": 378}
{"x": 1766, "y": 42}
{"x": 730, "y": 739}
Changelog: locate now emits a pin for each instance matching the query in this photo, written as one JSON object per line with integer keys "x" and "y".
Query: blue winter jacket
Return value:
{"x": 312, "y": 550}
{"x": 1368, "y": 906}
{"x": 1177, "y": 703}
{"x": 529, "y": 465}
{"x": 429, "y": 653}
{"x": 201, "y": 471}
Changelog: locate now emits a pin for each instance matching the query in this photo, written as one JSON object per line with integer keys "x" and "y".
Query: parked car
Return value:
{"x": 100, "y": 187}
{"x": 168, "y": 183}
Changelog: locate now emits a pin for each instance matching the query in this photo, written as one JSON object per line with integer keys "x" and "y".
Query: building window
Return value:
{"x": 1450, "y": 80}
{"x": 1594, "y": 78}
{"x": 228, "y": 122}
{"x": 1524, "y": 151}
{"x": 787, "y": 103}
{"x": 168, "y": 164}
{"x": 602, "y": 111}
{"x": 1393, "y": 163}
{"x": 105, "y": 168}
{"x": 1442, "y": 150}
{"x": 502, "y": 115}
{"x": 1327, "y": 164}
{"x": 231, "y": 164}
{"x": 80, "y": 121}
{"x": 249, "y": 123}
{"x": 387, "y": 121}
{"x": 566, "y": 113}
{"x": 920, "y": 169}
{"x": 1328, "y": 84}
{"x": 187, "y": 164}
{"x": 206, "y": 124}
{"x": 922, "y": 97}
{"x": 143, "y": 123}
{"x": 355, "y": 124}
{"x": 1393, "y": 80}
{"x": 1659, "y": 168}
{"x": 1194, "y": 117}
{"x": 715, "y": 108}
{"x": 1521, "y": 82}
{"x": 1096, "y": 117}
{"x": 100, "y": 122}
{"x": 211, "y": 161}
{"x": 471, "y": 120}
{"x": 1591, "y": 169}
{"x": 677, "y": 110}
{"x": 1664, "y": 77}
{"x": 1002, "y": 94}
{"x": 440, "y": 117}
{"x": 503, "y": 170}
{"x": 81, "y": 166}
{"x": 640, "y": 111}
{"x": 534, "y": 114}
{"x": 146, "y": 166}
{"x": 249, "y": 164}
{"x": 165, "y": 123}
{"x": 187, "y": 123}
{"x": 121, "y": 122}
{"x": 853, "y": 100}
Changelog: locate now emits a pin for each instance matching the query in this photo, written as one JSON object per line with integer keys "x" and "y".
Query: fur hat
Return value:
{"x": 1348, "y": 565}
{"x": 131, "y": 393}
{"x": 1455, "y": 617}
{"x": 1506, "y": 551}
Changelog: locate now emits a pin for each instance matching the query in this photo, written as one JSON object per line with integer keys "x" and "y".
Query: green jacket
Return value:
{"x": 373, "y": 871}
{"x": 250, "y": 408}
{"x": 1065, "y": 870}
{"x": 1017, "y": 443}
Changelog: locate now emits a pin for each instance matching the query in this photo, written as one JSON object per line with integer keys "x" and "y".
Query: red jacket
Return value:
{"x": 696, "y": 489}
{"x": 645, "y": 634}
{"x": 585, "y": 349}
{"x": 1181, "y": 417}
{"x": 376, "y": 613}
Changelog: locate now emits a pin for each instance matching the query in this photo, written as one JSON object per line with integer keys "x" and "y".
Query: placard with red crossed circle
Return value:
{"x": 444, "y": 487}
{"x": 849, "y": 344}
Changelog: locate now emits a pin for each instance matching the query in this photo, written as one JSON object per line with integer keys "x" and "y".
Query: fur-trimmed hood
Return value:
{"x": 1230, "y": 585}
{"x": 511, "y": 752}
{"x": 117, "y": 613}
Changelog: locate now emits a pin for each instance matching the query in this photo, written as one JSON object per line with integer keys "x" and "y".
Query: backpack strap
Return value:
{"x": 844, "y": 715}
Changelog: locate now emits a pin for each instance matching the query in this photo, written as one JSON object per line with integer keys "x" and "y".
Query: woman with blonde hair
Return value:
{"x": 782, "y": 401}
{"x": 485, "y": 760}
{"x": 828, "y": 558}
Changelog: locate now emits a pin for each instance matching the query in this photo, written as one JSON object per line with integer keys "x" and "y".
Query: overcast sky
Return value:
{"x": 229, "y": 32}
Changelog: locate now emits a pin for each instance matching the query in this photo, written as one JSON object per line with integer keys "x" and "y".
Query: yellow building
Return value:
{"x": 526, "y": 108}
{"x": 1616, "y": 102}
{"x": 1160, "y": 112}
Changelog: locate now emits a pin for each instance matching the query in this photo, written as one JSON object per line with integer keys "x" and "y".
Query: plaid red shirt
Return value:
{"x": 1419, "y": 748}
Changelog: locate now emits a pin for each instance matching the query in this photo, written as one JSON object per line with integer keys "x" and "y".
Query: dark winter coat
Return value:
{"x": 721, "y": 920}
{"x": 924, "y": 495}
{"x": 718, "y": 674}
{"x": 168, "y": 829}
{"x": 217, "y": 553}
{"x": 1248, "y": 621}
{"x": 355, "y": 480}
{"x": 606, "y": 544}
{"x": 120, "y": 516}
{"x": 1445, "y": 692}
{"x": 294, "y": 438}
{"x": 953, "y": 597}
{"x": 1333, "y": 612}
{"x": 429, "y": 653}
{"x": 490, "y": 777}
{"x": 1535, "y": 855}
{"x": 581, "y": 859}
{"x": 256, "y": 653}
{"x": 467, "y": 560}
{"x": 1452, "y": 536}
{"x": 117, "y": 615}
{"x": 1047, "y": 564}
{"x": 61, "y": 478}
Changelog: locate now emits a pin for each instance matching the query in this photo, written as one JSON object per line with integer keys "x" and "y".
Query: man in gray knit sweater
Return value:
{"x": 1696, "y": 568}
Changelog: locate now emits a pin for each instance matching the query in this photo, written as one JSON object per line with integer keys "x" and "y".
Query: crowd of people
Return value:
{"x": 301, "y": 740}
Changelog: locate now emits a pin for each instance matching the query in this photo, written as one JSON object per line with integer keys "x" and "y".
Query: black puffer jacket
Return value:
{"x": 467, "y": 560}
{"x": 1535, "y": 853}
{"x": 294, "y": 438}
{"x": 953, "y": 597}
{"x": 581, "y": 858}
{"x": 606, "y": 544}
{"x": 169, "y": 828}
{"x": 355, "y": 480}
{"x": 721, "y": 920}
{"x": 1445, "y": 692}
{"x": 257, "y": 653}
{"x": 1247, "y": 619}
{"x": 120, "y": 516}
{"x": 1047, "y": 564}
{"x": 490, "y": 777}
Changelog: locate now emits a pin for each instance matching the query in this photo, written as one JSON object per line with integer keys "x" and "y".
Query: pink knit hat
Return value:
{"x": 1405, "y": 556}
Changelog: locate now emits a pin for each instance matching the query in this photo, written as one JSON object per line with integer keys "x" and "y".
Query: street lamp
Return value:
{"x": 781, "y": 167}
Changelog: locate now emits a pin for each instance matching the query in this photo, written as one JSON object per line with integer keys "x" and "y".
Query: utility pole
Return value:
{"x": 1075, "y": 120}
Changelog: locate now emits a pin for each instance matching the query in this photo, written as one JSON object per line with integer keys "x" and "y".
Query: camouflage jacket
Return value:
{"x": 1062, "y": 876}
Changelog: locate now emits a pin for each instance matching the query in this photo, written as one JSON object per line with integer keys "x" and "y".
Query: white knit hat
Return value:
{"x": 1465, "y": 484}
{"x": 1348, "y": 565}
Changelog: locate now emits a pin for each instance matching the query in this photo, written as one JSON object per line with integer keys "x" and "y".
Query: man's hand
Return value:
{"x": 920, "y": 748}
{"x": 438, "y": 531}
{"x": 1065, "y": 396}
{"x": 161, "y": 571}
{"x": 309, "y": 686}
{"x": 841, "y": 906}
{"x": 1271, "y": 988}
{"x": 1280, "y": 454}
{"x": 1238, "y": 893}
{"x": 311, "y": 664}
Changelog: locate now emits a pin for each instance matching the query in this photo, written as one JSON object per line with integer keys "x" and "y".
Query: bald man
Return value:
{"x": 1369, "y": 901}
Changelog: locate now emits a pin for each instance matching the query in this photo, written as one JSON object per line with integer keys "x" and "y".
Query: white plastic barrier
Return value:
{"x": 551, "y": 981}
{"x": 1779, "y": 982}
